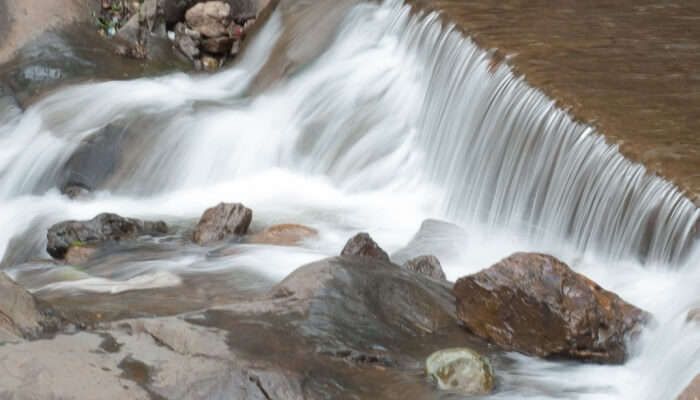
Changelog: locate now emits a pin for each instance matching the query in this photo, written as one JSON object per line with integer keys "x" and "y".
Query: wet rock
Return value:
{"x": 461, "y": 370}
{"x": 93, "y": 162}
{"x": 693, "y": 315}
{"x": 104, "y": 227}
{"x": 187, "y": 41}
{"x": 362, "y": 245}
{"x": 692, "y": 392}
{"x": 218, "y": 45}
{"x": 284, "y": 235}
{"x": 211, "y": 18}
{"x": 222, "y": 222}
{"x": 442, "y": 239}
{"x": 21, "y": 316}
{"x": 426, "y": 265}
{"x": 9, "y": 107}
{"x": 209, "y": 63}
{"x": 79, "y": 254}
{"x": 535, "y": 304}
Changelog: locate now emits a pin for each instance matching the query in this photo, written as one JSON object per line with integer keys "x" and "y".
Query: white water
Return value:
{"x": 399, "y": 120}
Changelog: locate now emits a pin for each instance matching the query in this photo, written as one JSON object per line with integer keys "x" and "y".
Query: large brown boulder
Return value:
{"x": 223, "y": 222}
{"x": 362, "y": 245}
{"x": 104, "y": 227}
{"x": 692, "y": 392}
{"x": 537, "y": 305}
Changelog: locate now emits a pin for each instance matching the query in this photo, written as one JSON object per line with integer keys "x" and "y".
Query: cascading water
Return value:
{"x": 399, "y": 119}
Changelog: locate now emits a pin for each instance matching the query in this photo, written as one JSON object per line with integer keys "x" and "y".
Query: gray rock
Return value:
{"x": 426, "y": 265}
{"x": 362, "y": 245}
{"x": 93, "y": 162}
{"x": 461, "y": 370}
{"x": 187, "y": 41}
{"x": 21, "y": 316}
{"x": 9, "y": 107}
{"x": 104, "y": 227}
{"x": 222, "y": 222}
{"x": 211, "y": 19}
{"x": 442, "y": 239}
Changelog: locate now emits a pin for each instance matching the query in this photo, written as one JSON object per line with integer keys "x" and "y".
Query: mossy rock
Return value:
{"x": 460, "y": 370}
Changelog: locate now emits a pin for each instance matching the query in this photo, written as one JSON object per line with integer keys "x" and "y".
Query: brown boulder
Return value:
{"x": 362, "y": 245}
{"x": 222, "y": 222}
{"x": 211, "y": 18}
{"x": 692, "y": 392}
{"x": 426, "y": 265}
{"x": 218, "y": 45}
{"x": 535, "y": 304}
{"x": 283, "y": 235}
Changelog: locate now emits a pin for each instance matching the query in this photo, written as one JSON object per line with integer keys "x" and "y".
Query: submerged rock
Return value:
{"x": 283, "y": 235}
{"x": 426, "y": 265}
{"x": 535, "y": 304}
{"x": 693, "y": 315}
{"x": 79, "y": 254}
{"x": 93, "y": 162}
{"x": 440, "y": 238}
{"x": 9, "y": 107}
{"x": 21, "y": 316}
{"x": 692, "y": 392}
{"x": 211, "y": 18}
{"x": 104, "y": 227}
{"x": 362, "y": 245}
{"x": 222, "y": 222}
{"x": 460, "y": 370}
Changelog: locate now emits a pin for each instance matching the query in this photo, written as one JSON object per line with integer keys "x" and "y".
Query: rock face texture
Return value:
{"x": 692, "y": 392}
{"x": 102, "y": 228}
{"x": 461, "y": 370}
{"x": 338, "y": 328}
{"x": 362, "y": 245}
{"x": 211, "y": 19}
{"x": 283, "y": 235}
{"x": 222, "y": 222}
{"x": 21, "y": 316}
{"x": 535, "y": 304}
{"x": 426, "y": 265}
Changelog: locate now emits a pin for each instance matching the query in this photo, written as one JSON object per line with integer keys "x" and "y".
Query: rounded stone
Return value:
{"x": 460, "y": 370}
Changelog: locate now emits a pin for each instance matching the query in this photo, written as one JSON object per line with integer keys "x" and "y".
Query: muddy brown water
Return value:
{"x": 629, "y": 67}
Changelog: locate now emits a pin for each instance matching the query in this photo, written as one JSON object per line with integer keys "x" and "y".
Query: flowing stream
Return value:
{"x": 399, "y": 119}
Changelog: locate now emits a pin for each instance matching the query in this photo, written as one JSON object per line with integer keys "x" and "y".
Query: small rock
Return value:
{"x": 693, "y": 315}
{"x": 535, "y": 304}
{"x": 104, "y": 227}
{"x": 460, "y": 370}
{"x": 692, "y": 392}
{"x": 219, "y": 45}
{"x": 78, "y": 255}
{"x": 222, "y": 222}
{"x": 362, "y": 245}
{"x": 185, "y": 42}
{"x": 283, "y": 235}
{"x": 426, "y": 265}
{"x": 211, "y": 18}
{"x": 209, "y": 63}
